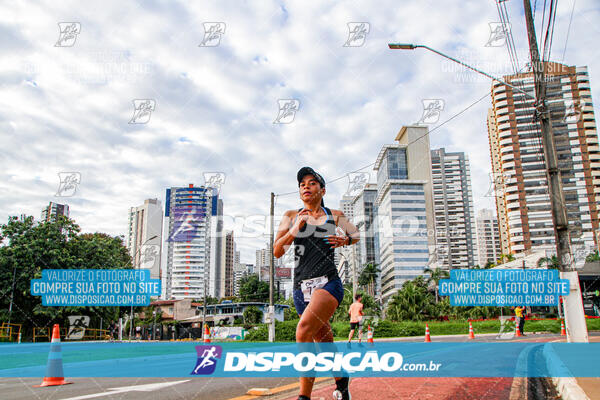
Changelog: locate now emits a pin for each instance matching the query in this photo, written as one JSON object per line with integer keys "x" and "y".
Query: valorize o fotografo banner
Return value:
{"x": 95, "y": 287}
{"x": 508, "y": 287}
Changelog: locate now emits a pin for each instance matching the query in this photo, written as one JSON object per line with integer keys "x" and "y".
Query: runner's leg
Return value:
{"x": 312, "y": 327}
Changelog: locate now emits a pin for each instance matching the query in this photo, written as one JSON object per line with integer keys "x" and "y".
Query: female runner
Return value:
{"x": 318, "y": 290}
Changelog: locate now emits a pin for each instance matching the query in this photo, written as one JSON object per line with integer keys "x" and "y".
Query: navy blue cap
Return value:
{"x": 309, "y": 171}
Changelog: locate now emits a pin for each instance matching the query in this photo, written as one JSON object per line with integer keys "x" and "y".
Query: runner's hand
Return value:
{"x": 336, "y": 241}
{"x": 301, "y": 219}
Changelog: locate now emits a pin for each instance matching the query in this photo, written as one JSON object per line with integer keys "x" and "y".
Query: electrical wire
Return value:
{"x": 568, "y": 31}
{"x": 415, "y": 140}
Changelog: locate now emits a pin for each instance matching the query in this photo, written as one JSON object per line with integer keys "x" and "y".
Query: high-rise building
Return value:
{"x": 346, "y": 205}
{"x": 401, "y": 217}
{"x": 363, "y": 212}
{"x": 262, "y": 266}
{"x": 454, "y": 212}
{"x": 239, "y": 271}
{"x": 49, "y": 213}
{"x": 519, "y": 168}
{"x": 228, "y": 262}
{"x": 488, "y": 239}
{"x": 193, "y": 247}
{"x": 144, "y": 236}
{"x": 347, "y": 208}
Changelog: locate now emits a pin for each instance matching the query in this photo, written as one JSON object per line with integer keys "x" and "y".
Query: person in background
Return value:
{"x": 520, "y": 318}
{"x": 356, "y": 314}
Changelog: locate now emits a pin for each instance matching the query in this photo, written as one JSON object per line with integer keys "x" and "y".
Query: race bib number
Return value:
{"x": 308, "y": 286}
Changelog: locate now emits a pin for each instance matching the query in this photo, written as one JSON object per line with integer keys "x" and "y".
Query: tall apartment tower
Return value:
{"x": 454, "y": 212}
{"x": 228, "y": 262}
{"x": 519, "y": 169}
{"x": 49, "y": 213}
{"x": 193, "y": 232}
{"x": 488, "y": 238}
{"x": 144, "y": 236}
{"x": 339, "y": 254}
{"x": 363, "y": 217}
{"x": 401, "y": 219}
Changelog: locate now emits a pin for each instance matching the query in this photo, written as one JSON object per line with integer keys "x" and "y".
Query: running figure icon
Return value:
{"x": 207, "y": 359}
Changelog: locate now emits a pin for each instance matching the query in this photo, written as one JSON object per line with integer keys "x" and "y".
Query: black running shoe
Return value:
{"x": 342, "y": 391}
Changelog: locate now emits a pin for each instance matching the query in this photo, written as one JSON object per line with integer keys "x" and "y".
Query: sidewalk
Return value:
{"x": 591, "y": 386}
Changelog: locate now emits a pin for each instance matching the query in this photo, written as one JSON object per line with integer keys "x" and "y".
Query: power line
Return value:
{"x": 568, "y": 31}
{"x": 417, "y": 139}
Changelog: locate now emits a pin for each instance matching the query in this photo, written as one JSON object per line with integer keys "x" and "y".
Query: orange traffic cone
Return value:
{"x": 563, "y": 332}
{"x": 369, "y": 335}
{"x": 427, "y": 336}
{"x": 54, "y": 369}
{"x": 206, "y": 334}
{"x": 517, "y": 331}
{"x": 471, "y": 333}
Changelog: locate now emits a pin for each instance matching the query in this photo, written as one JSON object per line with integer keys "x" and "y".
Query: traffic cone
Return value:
{"x": 471, "y": 333}
{"x": 563, "y": 332}
{"x": 206, "y": 334}
{"x": 54, "y": 369}
{"x": 517, "y": 331}
{"x": 370, "y": 335}
{"x": 427, "y": 336}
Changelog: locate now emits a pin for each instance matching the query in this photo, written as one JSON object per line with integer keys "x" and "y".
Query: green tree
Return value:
{"x": 31, "y": 247}
{"x": 593, "y": 256}
{"x": 412, "y": 302}
{"x": 253, "y": 289}
{"x": 435, "y": 275}
{"x": 548, "y": 262}
{"x": 505, "y": 258}
{"x": 252, "y": 315}
{"x": 368, "y": 277}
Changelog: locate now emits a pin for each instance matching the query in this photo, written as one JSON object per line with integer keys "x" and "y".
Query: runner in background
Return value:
{"x": 356, "y": 315}
{"x": 318, "y": 290}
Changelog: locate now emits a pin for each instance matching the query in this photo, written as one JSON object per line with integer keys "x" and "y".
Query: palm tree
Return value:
{"x": 505, "y": 258}
{"x": 593, "y": 256}
{"x": 412, "y": 302}
{"x": 368, "y": 277}
{"x": 548, "y": 262}
{"x": 435, "y": 275}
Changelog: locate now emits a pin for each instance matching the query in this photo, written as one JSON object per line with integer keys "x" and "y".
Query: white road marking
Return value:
{"x": 138, "y": 388}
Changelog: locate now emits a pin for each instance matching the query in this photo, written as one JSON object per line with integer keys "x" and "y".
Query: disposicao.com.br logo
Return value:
{"x": 305, "y": 359}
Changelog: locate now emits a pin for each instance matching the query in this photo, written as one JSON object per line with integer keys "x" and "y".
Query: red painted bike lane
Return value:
{"x": 422, "y": 388}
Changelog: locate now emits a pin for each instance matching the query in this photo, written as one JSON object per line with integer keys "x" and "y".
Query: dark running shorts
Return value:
{"x": 354, "y": 325}
{"x": 334, "y": 287}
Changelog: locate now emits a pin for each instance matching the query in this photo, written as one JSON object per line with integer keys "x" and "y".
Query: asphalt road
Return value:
{"x": 206, "y": 388}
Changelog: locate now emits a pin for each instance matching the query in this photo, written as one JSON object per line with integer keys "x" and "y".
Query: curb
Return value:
{"x": 566, "y": 386}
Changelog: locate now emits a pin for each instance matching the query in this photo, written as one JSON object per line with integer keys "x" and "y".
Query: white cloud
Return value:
{"x": 68, "y": 108}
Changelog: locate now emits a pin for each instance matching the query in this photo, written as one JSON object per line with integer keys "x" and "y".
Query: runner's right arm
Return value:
{"x": 286, "y": 233}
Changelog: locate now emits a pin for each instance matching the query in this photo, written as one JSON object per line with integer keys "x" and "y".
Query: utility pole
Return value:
{"x": 354, "y": 277}
{"x": 576, "y": 325}
{"x": 204, "y": 308}
{"x": 271, "y": 314}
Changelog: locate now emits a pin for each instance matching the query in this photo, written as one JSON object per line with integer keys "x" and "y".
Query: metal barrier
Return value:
{"x": 10, "y": 331}
{"x": 42, "y": 332}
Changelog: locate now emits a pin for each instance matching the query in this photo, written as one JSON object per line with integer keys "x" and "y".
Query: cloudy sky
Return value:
{"x": 67, "y": 102}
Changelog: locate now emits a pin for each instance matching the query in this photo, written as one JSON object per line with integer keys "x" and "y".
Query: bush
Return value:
{"x": 284, "y": 332}
{"x": 252, "y": 315}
